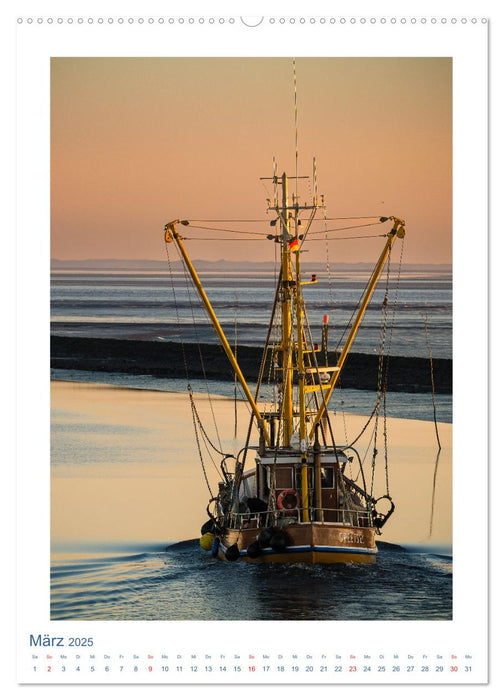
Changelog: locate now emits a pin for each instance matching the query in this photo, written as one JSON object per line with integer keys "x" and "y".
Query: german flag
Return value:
{"x": 294, "y": 245}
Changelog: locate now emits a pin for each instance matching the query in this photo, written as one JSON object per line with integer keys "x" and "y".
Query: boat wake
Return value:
{"x": 179, "y": 582}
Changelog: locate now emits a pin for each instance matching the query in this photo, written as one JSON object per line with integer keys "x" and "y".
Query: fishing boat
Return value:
{"x": 301, "y": 501}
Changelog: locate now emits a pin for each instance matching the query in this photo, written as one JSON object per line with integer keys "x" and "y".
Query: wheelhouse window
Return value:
{"x": 283, "y": 477}
{"x": 327, "y": 477}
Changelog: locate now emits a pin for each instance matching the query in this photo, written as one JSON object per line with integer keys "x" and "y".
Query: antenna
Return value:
{"x": 275, "y": 182}
{"x": 295, "y": 124}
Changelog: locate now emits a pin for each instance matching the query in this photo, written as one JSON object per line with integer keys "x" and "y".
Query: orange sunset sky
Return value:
{"x": 136, "y": 142}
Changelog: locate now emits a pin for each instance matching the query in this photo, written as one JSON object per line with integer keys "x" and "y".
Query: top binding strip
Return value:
{"x": 251, "y": 22}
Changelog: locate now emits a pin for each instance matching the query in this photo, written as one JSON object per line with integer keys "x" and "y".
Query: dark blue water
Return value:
{"x": 181, "y": 582}
{"x": 143, "y": 307}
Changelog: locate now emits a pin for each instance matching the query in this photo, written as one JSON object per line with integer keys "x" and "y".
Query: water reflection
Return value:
{"x": 182, "y": 583}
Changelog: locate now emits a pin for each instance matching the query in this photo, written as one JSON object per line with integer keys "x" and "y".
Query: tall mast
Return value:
{"x": 286, "y": 346}
{"x": 303, "y": 445}
{"x": 292, "y": 287}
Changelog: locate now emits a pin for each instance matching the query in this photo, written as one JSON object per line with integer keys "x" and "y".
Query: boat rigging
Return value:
{"x": 297, "y": 503}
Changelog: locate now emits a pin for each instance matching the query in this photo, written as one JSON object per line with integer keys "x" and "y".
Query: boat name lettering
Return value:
{"x": 351, "y": 537}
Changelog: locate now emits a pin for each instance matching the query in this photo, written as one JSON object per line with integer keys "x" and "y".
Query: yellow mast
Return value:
{"x": 286, "y": 346}
{"x": 290, "y": 287}
{"x": 172, "y": 235}
{"x": 303, "y": 448}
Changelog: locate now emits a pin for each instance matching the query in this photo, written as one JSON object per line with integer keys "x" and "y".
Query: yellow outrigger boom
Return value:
{"x": 171, "y": 234}
{"x": 396, "y": 232}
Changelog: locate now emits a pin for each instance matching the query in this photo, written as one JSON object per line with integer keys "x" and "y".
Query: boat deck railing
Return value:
{"x": 323, "y": 516}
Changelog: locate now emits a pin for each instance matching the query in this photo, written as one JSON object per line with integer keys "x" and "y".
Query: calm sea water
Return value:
{"x": 400, "y": 404}
{"x": 181, "y": 582}
{"x": 154, "y": 581}
{"x": 142, "y": 307}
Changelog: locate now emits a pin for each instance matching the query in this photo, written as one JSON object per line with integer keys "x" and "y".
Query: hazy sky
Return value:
{"x": 140, "y": 141}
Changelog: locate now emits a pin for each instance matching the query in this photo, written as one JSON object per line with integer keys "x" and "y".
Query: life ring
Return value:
{"x": 288, "y": 500}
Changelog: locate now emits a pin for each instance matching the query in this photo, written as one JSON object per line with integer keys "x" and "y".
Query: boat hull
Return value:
{"x": 310, "y": 543}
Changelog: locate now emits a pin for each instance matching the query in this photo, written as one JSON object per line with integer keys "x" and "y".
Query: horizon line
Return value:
{"x": 161, "y": 261}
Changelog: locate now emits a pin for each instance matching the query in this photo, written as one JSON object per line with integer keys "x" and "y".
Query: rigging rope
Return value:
{"x": 331, "y": 297}
{"x": 432, "y": 381}
{"x": 272, "y": 494}
{"x": 339, "y": 473}
{"x": 347, "y": 228}
{"x": 350, "y": 320}
{"x": 264, "y": 234}
{"x": 365, "y": 426}
{"x": 201, "y": 427}
{"x": 263, "y": 364}
{"x": 199, "y": 447}
{"x": 395, "y": 304}
{"x": 343, "y": 413}
{"x": 383, "y": 372}
{"x": 434, "y": 480}
{"x": 257, "y": 240}
{"x": 186, "y": 368}
{"x": 202, "y": 362}
{"x": 328, "y": 264}
{"x": 257, "y": 221}
{"x": 385, "y": 382}
{"x": 235, "y": 375}
{"x": 204, "y": 240}
{"x": 226, "y": 230}
{"x": 348, "y": 238}
{"x": 381, "y": 388}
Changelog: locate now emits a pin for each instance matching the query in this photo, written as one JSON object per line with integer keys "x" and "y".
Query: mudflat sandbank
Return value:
{"x": 168, "y": 359}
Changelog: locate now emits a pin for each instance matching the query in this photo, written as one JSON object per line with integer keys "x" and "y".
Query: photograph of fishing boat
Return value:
{"x": 251, "y": 339}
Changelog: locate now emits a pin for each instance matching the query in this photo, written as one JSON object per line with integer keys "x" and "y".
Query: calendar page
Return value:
{"x": 252, "y": 251}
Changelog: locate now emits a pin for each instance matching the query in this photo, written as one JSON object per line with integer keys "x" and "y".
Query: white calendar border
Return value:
{"x": 469, "y": 146}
